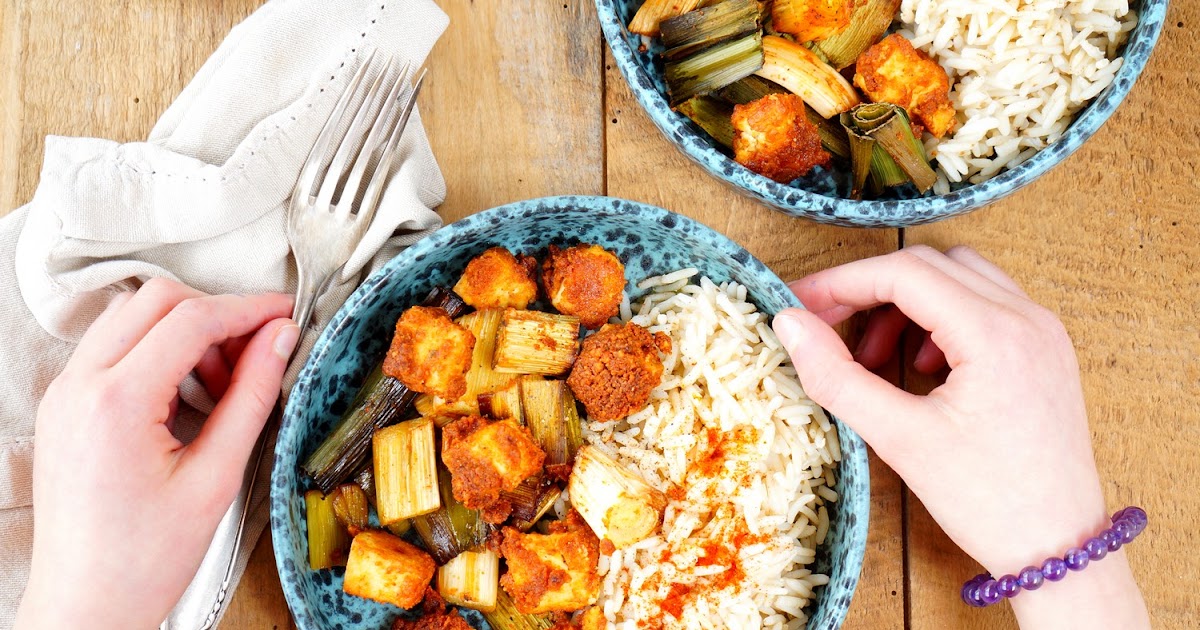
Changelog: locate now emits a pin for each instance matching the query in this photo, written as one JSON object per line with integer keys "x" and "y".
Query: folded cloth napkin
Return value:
{"x": 203, "y": 201}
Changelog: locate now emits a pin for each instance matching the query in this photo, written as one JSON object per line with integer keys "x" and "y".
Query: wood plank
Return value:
{"x": 513, "y": 105}
{"x": 11, "y": 72}
{"x": 1108, "y": 240}
{"x": 644, "y": 166}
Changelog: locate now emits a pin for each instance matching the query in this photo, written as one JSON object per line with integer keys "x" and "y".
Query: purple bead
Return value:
{"x": 989, "y": 593}
{"x": 1031, "y": 578}
{"x": 970, "y": 594}
{"x": 1076, "y": 559}
{"x": 1136, "y": 513}
{"x": 1096, "y": 548}
{"x": 1125, "y": 531}
{"x": 1054, "y": 569}
{"x": 1008, "y": 585}
{"x": 1111, "y": 539}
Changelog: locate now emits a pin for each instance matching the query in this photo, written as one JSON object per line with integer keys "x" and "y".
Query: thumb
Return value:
{"x": 881, "y": 413}
{"x": 220, "y": 452}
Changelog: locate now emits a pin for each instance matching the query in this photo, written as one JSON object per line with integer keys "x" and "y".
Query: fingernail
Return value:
{"x": 790, "y": 330}
{"x": 285, "y": 340}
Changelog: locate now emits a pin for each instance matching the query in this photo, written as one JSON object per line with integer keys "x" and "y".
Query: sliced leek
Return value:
{"x": 652, "y": 12}
{"x": 328, "y": 542}
{"x": 800, "y": 71}
{"x": 617, "y": 504}
{"x": 452, "y": 528}
{"x": 896, "y": 156}
{"x": 506, "y": 616}
{"x": 713, "y": 68}
{"x": 406, "y": 483}
{"x": 694, "y": 31}
{"x": 505, "y": 403}
{"x": 351, "y": 508}
{"x": 749, "y": 89}
{"x": 868, "y": 22}
{"x": 553, "y": 419}
{"x": 533, "y": 342}
{"x": 545, "y": 502}
{"x": 714, "y": 116}
{"x": 471, "y": 579}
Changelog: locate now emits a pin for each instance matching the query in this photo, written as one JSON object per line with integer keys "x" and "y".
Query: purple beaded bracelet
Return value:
{"x": 984, "y": 590}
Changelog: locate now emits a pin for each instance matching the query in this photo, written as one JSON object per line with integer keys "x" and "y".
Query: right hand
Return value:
{"x": 1000, "y": 454}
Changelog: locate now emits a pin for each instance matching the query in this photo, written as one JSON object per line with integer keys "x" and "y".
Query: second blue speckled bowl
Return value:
{"x": 650, "y": 241}
{"x": 817, "y": 196}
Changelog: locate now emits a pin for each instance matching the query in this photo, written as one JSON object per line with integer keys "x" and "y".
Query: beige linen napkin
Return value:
{"x": 203, "y": 200}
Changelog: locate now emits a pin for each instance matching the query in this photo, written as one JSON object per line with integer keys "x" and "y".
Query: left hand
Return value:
{"x": 123, "y": 511}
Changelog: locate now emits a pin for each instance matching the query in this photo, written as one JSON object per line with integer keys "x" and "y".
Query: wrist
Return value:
{"x": 1105, "y": 595}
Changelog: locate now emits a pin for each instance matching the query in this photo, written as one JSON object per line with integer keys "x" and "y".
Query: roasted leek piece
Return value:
{"x": 553, "y": 419}
{"x": 694, "y": 31}
{"x": 406, "y": 482}
{"x": 713, "y": 116}
{"x": 652, "y": 13}
{"x": 328, "y": 541}
{"x": 351, "y": 508}
{"x": 868, "y": 22}
{"x": 615, "y": 502}
{"x": 451, "y": 529}
{"x": 533, "y": 342}
{"x": 800, "y": 71}
{"x": 713, "y": 68}
{"x": 506, "y": 616}
{"x": 471, "y": 579}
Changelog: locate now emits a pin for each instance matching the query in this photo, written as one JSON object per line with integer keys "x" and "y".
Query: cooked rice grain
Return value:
{"x": 1020, "y": 69}
{"x": 746, "y": 515}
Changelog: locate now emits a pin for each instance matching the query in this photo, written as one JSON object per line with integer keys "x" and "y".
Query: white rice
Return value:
{"x": 1019, "y": 70}
{"x": 744, "y": 520}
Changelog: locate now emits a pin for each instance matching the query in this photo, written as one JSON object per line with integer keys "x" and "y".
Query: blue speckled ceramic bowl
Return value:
{"x": 649, "y": 240}
{"x": 820, "y": 196}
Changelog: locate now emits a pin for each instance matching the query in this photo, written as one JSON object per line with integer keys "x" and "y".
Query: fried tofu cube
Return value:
{"x": 617, "y": 369}
{"x": 892, "y": 71}
{"x": 774, "y": 138}
{"x": 498, "y": 279}
{"x": 386, "y": 569}
{"x": 486, "y": 458}
{"x": 811, "y": 20}
{"x": 555, "y": 571}
{"x": 430, "y": 353}
{"x": 593, "y": 619}
{"x": 586, "y": 281}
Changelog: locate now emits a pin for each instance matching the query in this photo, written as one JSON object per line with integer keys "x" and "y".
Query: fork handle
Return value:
{"x": 309, "y": 288}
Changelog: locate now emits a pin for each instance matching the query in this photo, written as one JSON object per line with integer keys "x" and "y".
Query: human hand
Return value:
{"x": 124, "y": 512}
{"x": 1000, "y": 454}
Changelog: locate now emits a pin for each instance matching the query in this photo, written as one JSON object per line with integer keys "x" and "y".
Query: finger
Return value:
{"x": 957, "y": 315}
{"x": 836, "y": 315}
{"x": 929, "y": 357}
{"x": 955, "y": 269}
{"x": 121, "y": 331}
{"x": 878, "y": 343}
{"x": 214, "y": 372}
{"x": 972, "y": 259}
{"x": 177, "y": 343}
{"x": 232, "y": 349}
{"x": 96, "y": 336}
{"x": 884, "y": 415}
{"x": 228, "y": 437}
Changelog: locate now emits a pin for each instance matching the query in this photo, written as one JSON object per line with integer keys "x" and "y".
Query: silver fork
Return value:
{"x": 323, "y": 233}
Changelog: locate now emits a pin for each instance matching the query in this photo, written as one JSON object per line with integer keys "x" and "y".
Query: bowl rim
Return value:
{"x": 279, "y": 497}
{"x": 799, "y": 202}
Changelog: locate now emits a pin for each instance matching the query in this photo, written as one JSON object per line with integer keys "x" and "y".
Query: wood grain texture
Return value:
{"x": 513, "y": 103}
{"x": 523, "y": 102}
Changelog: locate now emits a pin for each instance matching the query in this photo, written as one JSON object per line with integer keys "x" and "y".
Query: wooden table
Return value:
{"x": 524, "y": 101}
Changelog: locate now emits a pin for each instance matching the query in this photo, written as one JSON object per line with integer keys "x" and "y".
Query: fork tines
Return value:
{"x": 373, "y": 115}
